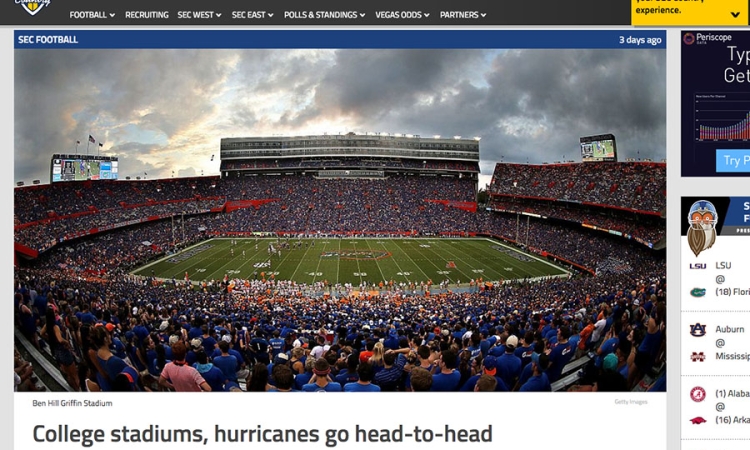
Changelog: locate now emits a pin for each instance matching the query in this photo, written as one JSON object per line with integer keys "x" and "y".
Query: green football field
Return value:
{"x": 353, "y": 261}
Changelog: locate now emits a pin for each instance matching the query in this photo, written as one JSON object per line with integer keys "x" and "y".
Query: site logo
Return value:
{"x": 688, "y": 39}
{"x": 33, "y": 6}
{"x": 698, "y": 330}
{"x": 698, "y": 394}
{"x": 698, "y": 357}
{"x": 702, "y": 232}
{"x": 698, "y": 292}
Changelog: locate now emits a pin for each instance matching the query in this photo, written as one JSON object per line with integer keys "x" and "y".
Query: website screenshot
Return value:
{"x": 456, "y": 221}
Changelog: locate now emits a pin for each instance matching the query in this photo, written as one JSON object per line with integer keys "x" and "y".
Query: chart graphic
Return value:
{"x": 715, "y": 99}
{"x": 722, "y": 117}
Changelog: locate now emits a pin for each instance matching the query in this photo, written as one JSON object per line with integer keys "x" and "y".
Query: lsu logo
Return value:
{"x": 33, "y": 6}
{"x": 702, "y": 232}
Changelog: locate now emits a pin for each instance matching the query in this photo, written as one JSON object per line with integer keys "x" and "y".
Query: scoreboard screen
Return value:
{"x": 601, "y": 147}
{"x": 76, "y": 168}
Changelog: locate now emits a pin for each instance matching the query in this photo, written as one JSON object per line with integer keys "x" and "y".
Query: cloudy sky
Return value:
{"x": 166, "y": 110}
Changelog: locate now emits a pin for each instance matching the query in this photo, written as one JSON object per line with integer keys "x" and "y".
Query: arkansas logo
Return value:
{"x": 33, "y": 6}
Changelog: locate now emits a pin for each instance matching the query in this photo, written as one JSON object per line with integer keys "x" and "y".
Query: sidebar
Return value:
{"x": 715, "y": 325}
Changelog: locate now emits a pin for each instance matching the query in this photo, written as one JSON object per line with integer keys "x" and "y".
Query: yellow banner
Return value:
{"x": 689, "y": 12}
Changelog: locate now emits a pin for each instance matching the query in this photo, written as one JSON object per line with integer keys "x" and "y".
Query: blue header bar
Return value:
{"x": 241, "y": 39}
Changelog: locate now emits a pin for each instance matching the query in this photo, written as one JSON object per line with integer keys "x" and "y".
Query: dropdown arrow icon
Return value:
{"x": 218, "y": 14}
{"x": 735, "y": 14}
{"x": 270, "y": 14}
{"x": 427, "y": 14}
{"x": 484, "y": 14}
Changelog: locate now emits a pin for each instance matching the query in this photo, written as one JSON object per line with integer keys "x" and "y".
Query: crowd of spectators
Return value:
{"x": 639, "y": 186}
{"x": 521, "y": 334}
{"x": 647, "y": 227}
{"x": 118, "y": 332}
{"x": 33, "y": 203}
{"x": 43, "y": 236}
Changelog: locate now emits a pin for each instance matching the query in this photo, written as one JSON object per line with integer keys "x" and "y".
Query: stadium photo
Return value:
{"x": 249, "y": 232}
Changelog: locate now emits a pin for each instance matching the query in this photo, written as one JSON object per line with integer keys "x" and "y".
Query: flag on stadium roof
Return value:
{"x": 91, "y": 139}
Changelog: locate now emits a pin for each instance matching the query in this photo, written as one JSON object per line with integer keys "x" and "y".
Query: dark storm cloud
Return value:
{"x": 372, "y": 84}
{"x": 527, "y": 105}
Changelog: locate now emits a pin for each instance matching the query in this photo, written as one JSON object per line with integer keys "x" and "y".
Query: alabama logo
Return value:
{"x": 702, "y": 232}
{"x": 33, "y": 6}
{"x": 698, "y": 394}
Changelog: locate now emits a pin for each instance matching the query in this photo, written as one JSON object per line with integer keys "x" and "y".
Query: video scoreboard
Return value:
{"x": 601, "y": 147}
{"x": 81, "y": 168}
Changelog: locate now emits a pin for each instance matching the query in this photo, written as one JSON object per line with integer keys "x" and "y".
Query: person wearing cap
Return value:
{"x": 179, "y": 376}
{"x": 228, "y": 364}
{"x": 509, "y": 365}
{"x": 126, "y": 381}
{"x": 538, "y": 382}
{"x": 489, "y": 368}
{"x": 217, "y": 352}
{"x": 321, "y": 381}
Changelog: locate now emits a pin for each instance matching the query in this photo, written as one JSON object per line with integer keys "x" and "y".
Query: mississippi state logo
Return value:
{"x": 702, "y": 232}
{"x": 697, "y": 357}
{"x": 698, "y": 330}
{"x": 33, "y": 6}
{"x": 698, "y": 394}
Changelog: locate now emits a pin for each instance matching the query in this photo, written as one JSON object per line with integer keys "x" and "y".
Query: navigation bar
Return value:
{"x": 386, "y": 12}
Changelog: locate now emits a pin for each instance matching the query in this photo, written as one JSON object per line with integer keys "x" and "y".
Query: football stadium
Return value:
{"x": 348, "y": 262}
